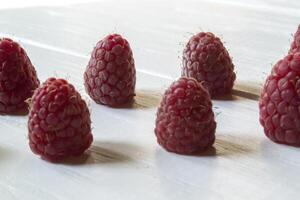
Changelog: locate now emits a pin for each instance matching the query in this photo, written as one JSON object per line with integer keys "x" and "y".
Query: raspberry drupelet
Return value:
{"x": 59, "y": 121}
{"x": 18, "y": 77}
{"x": 280, "y": 102}
{"x": 185, "y": 121}
{"x": 109, "y": 78}
{"x": 207, "y": 60}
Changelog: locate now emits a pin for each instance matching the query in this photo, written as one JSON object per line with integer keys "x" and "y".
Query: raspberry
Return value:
{"x": 59, "y": 121}
{"x": 18, "y": 77}
{"x": 206, "y": 59}
{"x": 280, "y": 102}
{"x": 109, "y": 78}
{"x": 185, "y": 121}
{"x": 295, "y": 46}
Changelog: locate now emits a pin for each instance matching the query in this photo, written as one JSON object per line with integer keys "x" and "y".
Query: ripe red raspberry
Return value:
{"x": 109, "y": 78}
{"x": 18, "y": 77}
{"x": 185, "y": 121}
{"x": 280, "y": 102}
{"x": 59, "y": 121}
{"x": 295, "y": 46}
{"x": 206, "y": 59}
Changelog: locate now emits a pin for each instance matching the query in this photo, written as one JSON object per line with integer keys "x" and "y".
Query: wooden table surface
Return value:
{"x": 124, "y": 161}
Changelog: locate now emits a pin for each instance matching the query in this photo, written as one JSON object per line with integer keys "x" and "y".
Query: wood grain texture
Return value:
{"x": 125, "y": 161}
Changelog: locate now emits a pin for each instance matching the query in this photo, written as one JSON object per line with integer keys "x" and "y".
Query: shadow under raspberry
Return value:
{"x": 223, "y": 147}
{"x": 235, "y": 94}
{"x": 245, "y": 94}
{"x": 209, "y": 152}
{"x": 227, "y": 97}
{"x": 249, "y": 90}
{"x": 102, "y": 153}
{"x": 144, "y": 99}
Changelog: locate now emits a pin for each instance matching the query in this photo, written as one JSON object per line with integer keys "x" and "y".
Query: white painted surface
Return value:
{"x": 125, "y": 161}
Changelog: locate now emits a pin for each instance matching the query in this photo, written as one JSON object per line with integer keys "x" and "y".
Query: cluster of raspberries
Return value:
{"x": 185, "y": 122}
{"x": 59, "y": 121}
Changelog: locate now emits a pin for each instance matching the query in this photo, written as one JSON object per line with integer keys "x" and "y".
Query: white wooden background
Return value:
{"x": 125, "y": 162}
